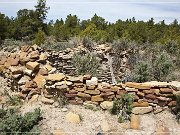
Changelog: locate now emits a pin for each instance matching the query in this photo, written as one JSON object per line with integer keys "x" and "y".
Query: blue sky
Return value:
{"x": 111, "y": 10}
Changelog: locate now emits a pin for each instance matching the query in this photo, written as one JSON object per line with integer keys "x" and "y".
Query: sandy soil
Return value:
{"x": 92, "y": 122}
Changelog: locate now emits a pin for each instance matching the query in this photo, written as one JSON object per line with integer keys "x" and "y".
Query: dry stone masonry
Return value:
{"x": 31, "y": 73}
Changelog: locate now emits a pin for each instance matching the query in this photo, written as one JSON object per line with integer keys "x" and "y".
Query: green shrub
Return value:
{"x": 10, "y": 44}
{"x": 161, "y": 67}
{"x": 172, "y": 47}
{"x": 141, "y": 72}
{"x": 2, "y": 113}
{"x": 101, "y": 36}
{"x": 122, "y": 107}
{"x": 62, "y": 100}
{"x": 85, "y": 63}
{"x": 12, "y": 123}
{"x": 119, "y": 47}
{"x": 95, "y": 34}
{"x": 51, "y": 44}
{"x": 176, "y": 110}
{"x": 158, "y": 67}
{"x": 39, "y": 37}
{"x": 14, "y": 100}
{"x": 88, "y": 43}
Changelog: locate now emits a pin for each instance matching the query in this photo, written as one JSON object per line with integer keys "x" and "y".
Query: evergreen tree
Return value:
{"x": 41, "y": 10}
{"x": 99, "y": 22}
{"x": 40, "y": 37}
{"x": 72, "y": 25}
{"x": 4, "y": 22}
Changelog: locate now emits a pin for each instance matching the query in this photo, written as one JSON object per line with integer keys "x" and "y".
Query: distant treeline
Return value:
{"x": 29, "y": 22}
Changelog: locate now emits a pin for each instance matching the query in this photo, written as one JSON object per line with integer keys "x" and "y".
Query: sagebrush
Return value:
{"x": 122, "y": 107}
{"x": 85, "y": 63}
{"x": 13, "y": 123}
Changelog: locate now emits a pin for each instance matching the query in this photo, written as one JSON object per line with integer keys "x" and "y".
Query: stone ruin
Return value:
{"x": 35, "y": 73}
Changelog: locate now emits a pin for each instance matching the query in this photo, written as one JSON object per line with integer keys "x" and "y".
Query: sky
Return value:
{"x": 111, "y": 10}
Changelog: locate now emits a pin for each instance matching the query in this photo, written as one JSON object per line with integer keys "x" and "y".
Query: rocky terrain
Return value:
{"x": 39, "y": 77}
{"x": 93, "y": 122}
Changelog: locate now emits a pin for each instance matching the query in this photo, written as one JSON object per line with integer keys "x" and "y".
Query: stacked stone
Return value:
{"x": 62, "y": 61}
{"x": 152, "y": 93}
{"x": 121, "y": 73}
{"x": 84, "y": 88}
{"x": 26, "y": 70}
{"x": 104, "y": 75}
{"x": 31, "y": 75}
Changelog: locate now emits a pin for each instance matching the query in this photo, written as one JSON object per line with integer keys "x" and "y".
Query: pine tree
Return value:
{"x": 40, "y": 37}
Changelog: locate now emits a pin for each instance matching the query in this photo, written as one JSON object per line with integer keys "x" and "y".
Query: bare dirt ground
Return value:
{"x": 94, "y": 122}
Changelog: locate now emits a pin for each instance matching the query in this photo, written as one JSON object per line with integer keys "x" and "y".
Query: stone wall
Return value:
{"x": 85, "y": 88}
{"x": 30, "y": 73}
{"x": 62, "y": 61}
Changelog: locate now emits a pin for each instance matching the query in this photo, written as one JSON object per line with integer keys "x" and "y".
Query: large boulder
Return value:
{"x": 73, "y": 118}
{"x": 32, "y": 65}
{"x": 23, "y": 55}
{"x": 106, "y": 105}
{"x": 134, "y": 122}
{"x": 61, "y": 87}
{"x": 70, "y": 95}
{"x": 163, "y": 99}
{"x": 142, "y": 110}
{"x": 151, "y": 91}
{"x": 40, "y": 80}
